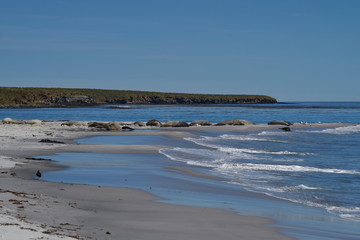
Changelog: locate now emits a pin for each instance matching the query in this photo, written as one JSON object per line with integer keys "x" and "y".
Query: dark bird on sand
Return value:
{"x": 38, "y": 174}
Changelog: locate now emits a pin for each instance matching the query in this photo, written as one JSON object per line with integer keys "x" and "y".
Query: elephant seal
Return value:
{"x": 286, "y": 129}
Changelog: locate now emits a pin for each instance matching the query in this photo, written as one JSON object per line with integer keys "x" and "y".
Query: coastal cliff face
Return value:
{"x": 67, "y": 97}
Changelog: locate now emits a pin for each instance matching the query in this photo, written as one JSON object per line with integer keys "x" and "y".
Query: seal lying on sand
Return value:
{"x": 286, "y": 129}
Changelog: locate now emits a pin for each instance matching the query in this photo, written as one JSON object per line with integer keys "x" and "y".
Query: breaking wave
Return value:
{"x": 340, "y": 130}
{"x": 286, "y": 168}
{"x": 211, "y": 142}
{"x": 249, "y": 138}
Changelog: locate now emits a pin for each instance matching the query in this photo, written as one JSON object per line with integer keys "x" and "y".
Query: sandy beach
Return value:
{"x": 34, "y": 209}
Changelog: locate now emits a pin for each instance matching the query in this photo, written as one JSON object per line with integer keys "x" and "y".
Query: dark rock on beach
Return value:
{"x": 277, "y": 122}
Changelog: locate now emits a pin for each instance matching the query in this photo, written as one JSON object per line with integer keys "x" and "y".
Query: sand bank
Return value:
{"x": 46, "y": 210}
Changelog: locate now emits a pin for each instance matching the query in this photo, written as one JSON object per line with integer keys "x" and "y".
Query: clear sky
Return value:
{"x": 301, "y": 50}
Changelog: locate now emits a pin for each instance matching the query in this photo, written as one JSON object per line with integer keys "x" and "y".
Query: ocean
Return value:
{"x": 319, "y": 168}
{"x": 258, "y": 113}
{"x": 308, "y": 180}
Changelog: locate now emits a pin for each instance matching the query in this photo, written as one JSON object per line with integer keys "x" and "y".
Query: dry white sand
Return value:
{"x": 35, "y": 209}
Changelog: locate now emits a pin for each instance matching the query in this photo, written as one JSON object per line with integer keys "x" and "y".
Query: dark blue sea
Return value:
{"x": 314, "y": 174}
{"x": 348, "y": 112}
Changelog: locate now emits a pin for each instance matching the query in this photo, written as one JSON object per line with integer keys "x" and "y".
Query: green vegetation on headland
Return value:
{"x": 73, "y": 97}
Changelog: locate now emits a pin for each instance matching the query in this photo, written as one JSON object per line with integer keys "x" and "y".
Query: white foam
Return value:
{"x": 248, "y": 138}
{"x": 339, "y": 130}
{"x": 258, "y": 188}
{"x": 350, "y": 217}
{"x": 272, "y": 133}
{"x": 238, "y": 151}
{"x": 288, "y": 188}
{"x": 198, "y": 157}
{"x": 274, "y": 189}
{"x": 201, "y": 164}
{"x": 282, "y": 160}
{"x": 203, "y": 141}
{"x": 302, "y": 186}
{"x": 248, "y": 150}
{"x": 286, "y": 168}
{"x": 344, "y": 209}
{"x": 202, "y": 138}
{"x": 351, "y": 213}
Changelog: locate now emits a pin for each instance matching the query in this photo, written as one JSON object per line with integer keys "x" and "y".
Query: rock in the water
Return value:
{"x": 286, "y": 129}
{"x": 234, "y": 122}
{"x": 38, "y": 174}
{"x": 154, "y": 123}
{"x": 139, "y": 124}
{"x": 200, "y": 123}
{"x": 175, "y": 124}
{"x": 277, "y": 122}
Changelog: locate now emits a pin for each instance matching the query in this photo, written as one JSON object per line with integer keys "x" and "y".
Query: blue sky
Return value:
{"x": 300, "y": 50}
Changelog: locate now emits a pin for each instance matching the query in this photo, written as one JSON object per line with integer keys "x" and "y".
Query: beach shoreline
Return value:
{"x": 83, "y": 211}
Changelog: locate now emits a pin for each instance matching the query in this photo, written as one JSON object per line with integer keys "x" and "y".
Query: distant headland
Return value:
{"x": 14, "y": 97}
